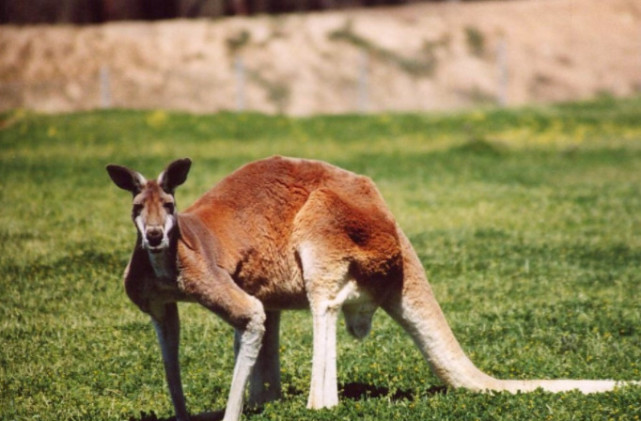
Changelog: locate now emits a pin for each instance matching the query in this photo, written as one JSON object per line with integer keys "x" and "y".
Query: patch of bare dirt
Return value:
{"x": 408, "y": 58}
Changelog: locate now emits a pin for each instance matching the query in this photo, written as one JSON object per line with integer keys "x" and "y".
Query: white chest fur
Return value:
{"x": 162, "y": 265}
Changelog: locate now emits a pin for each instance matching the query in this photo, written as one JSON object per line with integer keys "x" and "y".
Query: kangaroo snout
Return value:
{"x": 154, "y": 236}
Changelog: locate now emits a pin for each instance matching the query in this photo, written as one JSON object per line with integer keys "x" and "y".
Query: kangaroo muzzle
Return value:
{"x": 154, "y": 236}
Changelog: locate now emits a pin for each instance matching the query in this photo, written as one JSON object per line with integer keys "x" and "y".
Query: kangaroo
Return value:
{"x": 280, "y": 234}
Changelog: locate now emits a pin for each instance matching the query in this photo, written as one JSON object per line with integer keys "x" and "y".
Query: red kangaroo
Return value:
{"x": 280, "y": 234}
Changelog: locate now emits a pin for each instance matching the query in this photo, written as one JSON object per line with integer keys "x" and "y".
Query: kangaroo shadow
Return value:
{"x": 205, "y": 416}
{"x": 353, "y": 391}
{"x": 358, "y": 391}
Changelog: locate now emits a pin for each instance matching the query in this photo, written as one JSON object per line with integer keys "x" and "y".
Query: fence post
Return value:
{"x": 363, "y": 82}
{"x": 105, "y": 87}
{"x": 239, "y": 70}
{"x": 502, "y": 67}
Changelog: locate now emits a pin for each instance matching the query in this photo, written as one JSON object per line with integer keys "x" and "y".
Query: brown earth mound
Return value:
{"x": 414, "y": 57}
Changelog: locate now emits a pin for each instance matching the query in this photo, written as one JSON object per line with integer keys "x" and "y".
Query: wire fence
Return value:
{"x": 353, "y": 74}
{"x": 110, "y": 86}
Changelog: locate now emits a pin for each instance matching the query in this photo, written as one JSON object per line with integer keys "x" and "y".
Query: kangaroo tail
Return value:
{"x": 414, "y": 307}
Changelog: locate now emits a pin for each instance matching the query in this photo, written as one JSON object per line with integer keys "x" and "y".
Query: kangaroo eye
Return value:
{"x": 169, "y": 207}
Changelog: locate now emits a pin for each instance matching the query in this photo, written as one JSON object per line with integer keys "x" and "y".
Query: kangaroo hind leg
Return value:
{"x": 324, "y": 385}
{"x": 328, "y": 287}
{"x": 343, "y": 242}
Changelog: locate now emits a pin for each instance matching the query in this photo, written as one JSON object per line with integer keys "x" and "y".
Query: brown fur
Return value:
{"x": 258, "y": 230}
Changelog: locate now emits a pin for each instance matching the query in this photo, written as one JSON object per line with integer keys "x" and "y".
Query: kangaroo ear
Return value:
{"x": 126, "y": 179}
{"x": 174, "y": 175}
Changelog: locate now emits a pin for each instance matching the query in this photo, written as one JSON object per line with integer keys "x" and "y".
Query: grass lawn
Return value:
{"x": 528, "y": 223}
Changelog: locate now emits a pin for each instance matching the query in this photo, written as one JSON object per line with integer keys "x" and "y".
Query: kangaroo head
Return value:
{"x": 154, "y": 209}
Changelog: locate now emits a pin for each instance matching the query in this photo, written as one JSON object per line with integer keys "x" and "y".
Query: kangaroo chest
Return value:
{"x": 163, "y": 267}
{"x": 162, "y": 277}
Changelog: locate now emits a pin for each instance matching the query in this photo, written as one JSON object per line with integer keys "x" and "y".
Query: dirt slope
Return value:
{"x": 414, "y": 57}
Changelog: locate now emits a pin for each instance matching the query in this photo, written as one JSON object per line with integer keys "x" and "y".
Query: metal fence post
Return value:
{"x": 501, "y": 60}
{"x": 105, "y": 87}
{"x": 363, "y": 82}
{"x": 239, "y": 70}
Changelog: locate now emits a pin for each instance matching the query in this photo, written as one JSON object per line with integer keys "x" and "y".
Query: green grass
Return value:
{"x": 527, "y": 221}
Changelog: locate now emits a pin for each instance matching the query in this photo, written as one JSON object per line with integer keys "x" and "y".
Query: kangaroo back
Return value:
{"x": 264, "y": 211}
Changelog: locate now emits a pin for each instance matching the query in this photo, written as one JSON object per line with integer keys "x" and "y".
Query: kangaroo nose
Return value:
{"x": 154, "y": 236}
